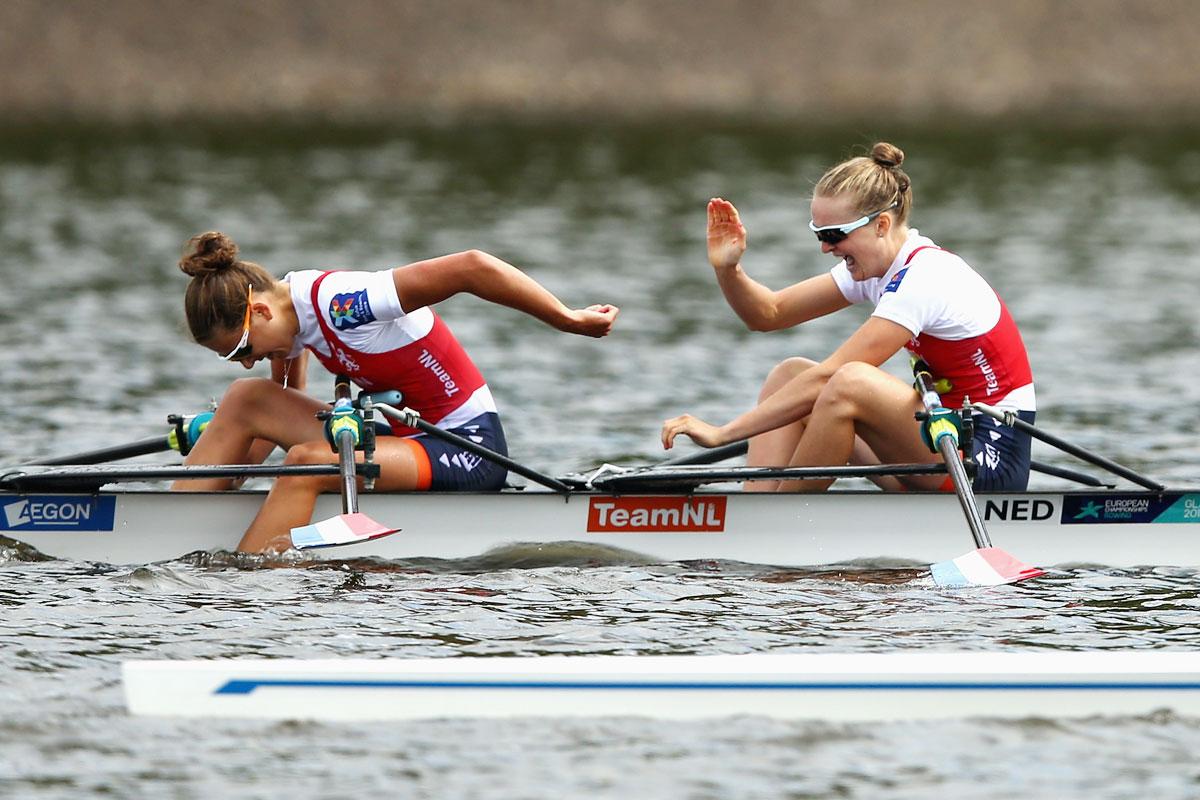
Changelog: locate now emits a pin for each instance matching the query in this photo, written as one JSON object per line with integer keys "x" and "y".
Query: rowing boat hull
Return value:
{"x": 1110, "y": 528}
{"x": 839, "y": 687}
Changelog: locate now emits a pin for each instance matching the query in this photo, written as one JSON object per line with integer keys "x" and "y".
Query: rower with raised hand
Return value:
{"x": 377, "y": 328}
{"x": 846, "y": 409}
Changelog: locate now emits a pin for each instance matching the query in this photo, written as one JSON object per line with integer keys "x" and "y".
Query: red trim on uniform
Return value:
{"x": 434, "y": 373}
{"x": 985, "y": 368}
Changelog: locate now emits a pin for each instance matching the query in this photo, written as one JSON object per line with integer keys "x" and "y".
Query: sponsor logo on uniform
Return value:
{"x": 656, "y": 515}
{"x": 351, "y": 310}
{"x": 464, "y": 461}
{"x": 58, "y": 513}
{"x": 894, "y": 283}
{"x": 430, "y": 363}
{"x": 345, "y": 360}
{"x": 991, "y": 457}
{"x": 980, "y": 359}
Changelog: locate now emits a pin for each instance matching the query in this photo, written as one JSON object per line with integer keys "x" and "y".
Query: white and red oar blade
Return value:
{"x": 342, "y": 529}
{"x": 987, "y": 566}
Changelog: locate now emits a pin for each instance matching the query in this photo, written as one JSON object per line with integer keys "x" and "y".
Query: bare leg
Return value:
{"x": 775, "y": 448}
{"x": 861, "y": 400}
{"x": 291, "y": 500}
{"x": 252, "y": 408}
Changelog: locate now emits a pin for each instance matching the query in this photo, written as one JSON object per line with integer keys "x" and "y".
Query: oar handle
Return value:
{"x": 413, "y": 420}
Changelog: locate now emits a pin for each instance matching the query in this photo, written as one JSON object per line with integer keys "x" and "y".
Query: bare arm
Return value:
{"x": 761, "y": 308}
{"x": 874, "y": 342}
{"x": 426, "y": 283}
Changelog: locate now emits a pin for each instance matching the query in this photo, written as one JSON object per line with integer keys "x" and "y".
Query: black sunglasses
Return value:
{"x": 832, "y": 234}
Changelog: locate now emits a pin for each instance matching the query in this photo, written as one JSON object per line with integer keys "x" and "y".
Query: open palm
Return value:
{"x": 726, "y": 234}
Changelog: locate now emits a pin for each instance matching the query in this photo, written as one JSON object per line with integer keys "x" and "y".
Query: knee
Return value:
{"x": 246, "y": 393}
{"x": 848, "y": 386}
{"x": 309, "y": 453}
{"x": 783, "y": 372}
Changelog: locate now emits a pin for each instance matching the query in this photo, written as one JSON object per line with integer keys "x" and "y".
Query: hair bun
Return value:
{"x": 887, "y": 155}
{"x": 208, "y": 254}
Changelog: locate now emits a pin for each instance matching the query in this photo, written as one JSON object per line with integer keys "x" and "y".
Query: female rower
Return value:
{"x": 379, "y": 329}
{"x": 845, "y": 409}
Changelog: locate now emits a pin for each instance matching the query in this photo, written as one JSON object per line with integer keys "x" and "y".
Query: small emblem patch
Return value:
{"x": 350, "y": 310}
{"x": 894, "y": 283}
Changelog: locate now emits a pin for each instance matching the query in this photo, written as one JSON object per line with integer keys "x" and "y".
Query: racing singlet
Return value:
{"x": 984, "y": 368}
{"x": 368, "y": 337}
{"x": 959, "y": 325}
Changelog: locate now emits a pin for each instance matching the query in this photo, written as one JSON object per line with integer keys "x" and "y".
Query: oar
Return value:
{"x": 344, "y": 428}
{"x": 1010, "y": 419}
{"x": 710, "y": 456}
{"x": 735, "y": 449}
{"x": 155, "y": 444}
{"x": 182, "y": 437}
{"x": 985, "y": 565}
{"x": 413, "y": 420}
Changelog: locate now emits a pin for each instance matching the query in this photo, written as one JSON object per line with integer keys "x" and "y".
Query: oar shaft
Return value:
{"x": 710, "y": 456}
{"x": 962, "y": 488}
{"x": 347, "y": 473}
{"x": 1092, "y": 458}
{"x": 414, "y": 421}
{"x": 949, "y": 449}
{"x": 155, "y": 444}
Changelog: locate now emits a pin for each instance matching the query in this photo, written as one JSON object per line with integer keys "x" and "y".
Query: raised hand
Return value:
{"x": 726, "y": 234}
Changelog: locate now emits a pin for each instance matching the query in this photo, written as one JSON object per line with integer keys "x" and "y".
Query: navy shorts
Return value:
{"x": 1002, "y": 454}
{"x": 445, "y": 467}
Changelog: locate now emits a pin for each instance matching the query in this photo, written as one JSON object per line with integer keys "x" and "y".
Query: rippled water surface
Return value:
{"x": 1090, "y": 239}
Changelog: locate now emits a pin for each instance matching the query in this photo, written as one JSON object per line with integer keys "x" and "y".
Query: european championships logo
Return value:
{"x": 350, "y": 310}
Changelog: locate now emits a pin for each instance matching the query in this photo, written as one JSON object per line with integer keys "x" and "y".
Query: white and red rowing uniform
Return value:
{"x": 961, "y": 328}
{"x": 354, "y": 324}
{"x": 959, "y": 325}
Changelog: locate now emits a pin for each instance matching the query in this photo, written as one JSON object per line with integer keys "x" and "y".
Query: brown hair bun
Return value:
{"x": 208, "y": 254}
{"x": 887, "y": 155}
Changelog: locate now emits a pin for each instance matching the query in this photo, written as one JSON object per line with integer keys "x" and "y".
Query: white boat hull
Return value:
{"x": 1109, "y": 528}
{"x": 839, "y": 687}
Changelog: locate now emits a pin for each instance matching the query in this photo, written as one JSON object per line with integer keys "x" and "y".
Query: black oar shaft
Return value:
{"x": 155, "y": 444}
{"x": 710, "y": 456}
{"x": 92, "y": 476}
{"x": 414, "y": 421}
{"x": 1092, "y": 458}
{"x": 1066, "y": 474}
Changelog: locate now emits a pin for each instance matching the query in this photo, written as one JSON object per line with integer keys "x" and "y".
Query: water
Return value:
{"x": 1088, "y": 238}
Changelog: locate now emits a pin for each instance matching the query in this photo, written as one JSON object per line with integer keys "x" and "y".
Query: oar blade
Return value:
{"x": 342, "y": 529}
{"x": 986, "y": 566}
